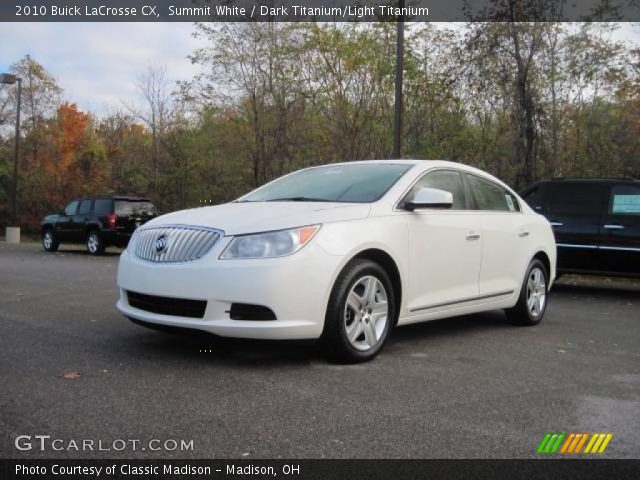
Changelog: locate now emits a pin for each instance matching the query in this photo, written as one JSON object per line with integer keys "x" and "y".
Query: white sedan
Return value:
{"x": 342, "y": 253}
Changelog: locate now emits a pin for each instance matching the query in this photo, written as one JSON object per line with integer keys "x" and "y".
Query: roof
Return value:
{"x": 116, "y": 196}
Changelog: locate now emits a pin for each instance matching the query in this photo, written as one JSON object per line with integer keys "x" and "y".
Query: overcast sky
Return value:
{"x": 97, "y": 63}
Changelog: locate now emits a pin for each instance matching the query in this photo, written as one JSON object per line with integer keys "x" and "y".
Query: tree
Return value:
{"x": 156, "y": 114}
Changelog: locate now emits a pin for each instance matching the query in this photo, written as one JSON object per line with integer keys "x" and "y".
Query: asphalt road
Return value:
{"x": 471, "y": 386}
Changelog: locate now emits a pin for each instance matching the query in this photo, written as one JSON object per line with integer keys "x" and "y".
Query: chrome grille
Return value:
{"x": 182, "y": 243}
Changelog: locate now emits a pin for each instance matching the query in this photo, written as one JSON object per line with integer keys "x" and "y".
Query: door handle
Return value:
{"x": 613, "y": 227}
{"x": 472, "y": 236}
{"x": 523, "y": 233}
{"x": 556, "y": 224}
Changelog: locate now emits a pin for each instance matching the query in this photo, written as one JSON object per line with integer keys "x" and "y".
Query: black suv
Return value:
{"x": 596, "y": 223}
{"x": 98, "y": 222}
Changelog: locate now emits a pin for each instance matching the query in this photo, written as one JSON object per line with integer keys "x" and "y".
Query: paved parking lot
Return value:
{"x": 472, "y": 386}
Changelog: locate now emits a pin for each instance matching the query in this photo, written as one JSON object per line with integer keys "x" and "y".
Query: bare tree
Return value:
{"x": 156, "y": 112}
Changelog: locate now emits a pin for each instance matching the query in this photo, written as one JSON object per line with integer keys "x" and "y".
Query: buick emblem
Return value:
{"x": 161, "y": 243}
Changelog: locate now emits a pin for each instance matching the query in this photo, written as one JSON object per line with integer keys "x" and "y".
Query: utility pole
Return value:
{"x": 397, "y": 120}
{"x": 14, "y": 192}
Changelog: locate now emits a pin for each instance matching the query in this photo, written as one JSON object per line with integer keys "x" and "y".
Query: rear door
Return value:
{"x": 505, "y": 238}
{"x": 575, "y": 212}
{"x": 79, "y": 221}
{"x": 620, "y": 231}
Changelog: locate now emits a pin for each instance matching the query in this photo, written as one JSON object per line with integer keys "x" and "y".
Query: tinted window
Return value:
{"x": 536, "y": 198}
{"x": 85, "y": 207}
{"x": 625, "y": 200}
{"x": 71, "y": 208}
{"x": 128, "y": 207}
{"x": 447, "y": 180}
{"x": 576, "y": 199}
{"x": 491, "y": 196}
{"x": 355, "y": 183}
{"x": 102, "y": 206}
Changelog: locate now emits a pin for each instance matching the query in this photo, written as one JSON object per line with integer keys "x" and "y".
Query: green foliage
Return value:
{"x": 523, "y": 101}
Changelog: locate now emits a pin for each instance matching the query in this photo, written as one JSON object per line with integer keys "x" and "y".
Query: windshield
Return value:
{"x": 354, "y": 183}
{"x": 129, "y": 207}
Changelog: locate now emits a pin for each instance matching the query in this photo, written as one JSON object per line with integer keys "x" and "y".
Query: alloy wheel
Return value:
{"x": 47, "y": 240}
{"x": 366, "y": 313}
{"x": 536, "y": 292}
{"x": 92, "y": 243}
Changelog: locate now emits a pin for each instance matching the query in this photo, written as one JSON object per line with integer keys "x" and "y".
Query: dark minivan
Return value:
{"x": 99, "y": 222}
{"x": 596, "y": 223}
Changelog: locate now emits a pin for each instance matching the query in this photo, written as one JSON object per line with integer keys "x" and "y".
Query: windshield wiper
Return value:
{"x": 298, "y": 199}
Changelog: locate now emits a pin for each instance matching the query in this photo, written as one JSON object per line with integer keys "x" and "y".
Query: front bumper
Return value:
{"x": 296, "y": 288}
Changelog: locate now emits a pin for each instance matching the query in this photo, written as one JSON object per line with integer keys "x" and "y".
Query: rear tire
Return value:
{"x": 49, "y": 241}
{"x": 532, "y": 302}
{"x": 95, "y": 245}
{"x": 360, "y": 313}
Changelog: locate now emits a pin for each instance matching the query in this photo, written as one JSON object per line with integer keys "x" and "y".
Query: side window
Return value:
{"x": 536, "y": 198}
{"x": 625, "y": 200}
{"x": 71, "y": 208}
{"x": 447, "y": 180}
{"x": 102, "y": 206}
{"x": 576, "y": 199}
{"x": 491, "y": 196}
{"x": 85, "y": 207}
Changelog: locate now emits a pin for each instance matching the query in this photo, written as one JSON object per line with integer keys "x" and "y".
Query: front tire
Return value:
{"x": 360, "y": 313}
{"x": 49, "y": 241}
{"x": 95, "y": 245}
{"x": 532, "y": 302}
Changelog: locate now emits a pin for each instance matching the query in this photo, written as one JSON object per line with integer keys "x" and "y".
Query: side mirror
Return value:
{"x": 429, "y": 198}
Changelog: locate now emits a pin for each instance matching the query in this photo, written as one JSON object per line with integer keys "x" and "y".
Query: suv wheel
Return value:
{"x": 95, "y": 245}
{"x": 360, "y": 313}
{"x": 532, "y": 303}
{"x": 49, "y": 241}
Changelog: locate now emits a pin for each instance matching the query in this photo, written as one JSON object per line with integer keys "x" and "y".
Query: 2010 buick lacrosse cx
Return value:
{"x": 343, "y": 253}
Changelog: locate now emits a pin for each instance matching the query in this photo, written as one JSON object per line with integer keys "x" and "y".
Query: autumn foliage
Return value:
{"x": 274, "y": 97}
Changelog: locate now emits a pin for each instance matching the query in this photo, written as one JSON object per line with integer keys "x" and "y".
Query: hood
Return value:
{"x": 252, "y": 217}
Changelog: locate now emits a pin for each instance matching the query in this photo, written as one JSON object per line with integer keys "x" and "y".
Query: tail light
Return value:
{"x": 111, "y": 221}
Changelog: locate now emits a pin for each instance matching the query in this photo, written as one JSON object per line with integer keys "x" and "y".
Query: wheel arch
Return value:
{"x": 546, "y": 261}
{"x": 90, "y": 227}
{"x": 387, "y": 262}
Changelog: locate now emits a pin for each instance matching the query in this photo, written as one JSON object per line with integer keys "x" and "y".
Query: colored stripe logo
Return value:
{"x": 573, "y": 443}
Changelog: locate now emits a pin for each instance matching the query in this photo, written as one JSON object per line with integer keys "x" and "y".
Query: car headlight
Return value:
{"x": 269, "y": 244}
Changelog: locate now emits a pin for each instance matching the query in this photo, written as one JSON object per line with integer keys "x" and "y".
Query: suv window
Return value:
{"x": 85, "y": 207}
{"x": 536, "y": 198}
{"x": 71, "y": 208}
{"x": 447, "y": 180}
{"x": 102, "y": 206}
{"x": 625, "y": 200}
{"x": 491, "y": 196}
{"x": 130, "y": 207}
{"x": 576, "y": 199}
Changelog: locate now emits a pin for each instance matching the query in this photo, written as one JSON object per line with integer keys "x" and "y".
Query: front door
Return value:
{"x": 444, "y": 248}
{"x": 620, "y": 231}
{"x": 576, "y": 211}
{"x": 64, "y": 222}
